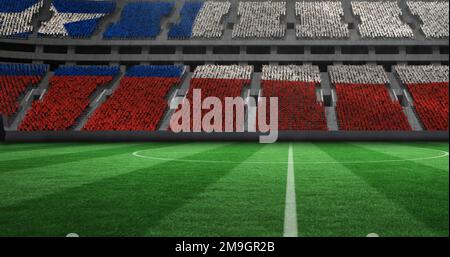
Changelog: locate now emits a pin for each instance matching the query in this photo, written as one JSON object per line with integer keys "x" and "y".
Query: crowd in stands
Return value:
{"x": 207, "y": 23}
{"x": 260, "y": 20}
{"x": 380, "y": 19}
{"x": 75, "y": 18}
{"x": 363, "y": 100}
{"x": 14, "y": 81}
{"x": 16, "y": 17}
{"x": 433, "y": 15}
{"x": 358, "y": 74}
{"x": 295, "y": 88}
{"x": 321, "y": 19}
{"x": 183, "y": 29}
{"x": 223, "y": 72}
{"x": 67, "y": 97}
{"x": 428, "y": 86}
{"x": 139, "y": 20}
{"x": 219, "y": 81}
{"x": 140, "y": 101}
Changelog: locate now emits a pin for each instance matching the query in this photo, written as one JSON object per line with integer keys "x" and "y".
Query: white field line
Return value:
{"x": 441, "y": 155}
{"x": 290, "y": 211}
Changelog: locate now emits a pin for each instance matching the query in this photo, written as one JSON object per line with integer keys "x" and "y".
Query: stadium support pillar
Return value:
{"x": 2, "y": 129}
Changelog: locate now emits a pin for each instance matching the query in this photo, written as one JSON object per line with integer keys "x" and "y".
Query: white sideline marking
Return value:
{"x": 72, "y": 235}
{"x": 441, "y": 155}
{"x": 290, "y": 211}
{"x": 100, "y": 96}
{"x": 372, "y": 235}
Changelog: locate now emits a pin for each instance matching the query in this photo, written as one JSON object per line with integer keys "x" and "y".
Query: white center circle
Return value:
{"x": 439, "y": 154}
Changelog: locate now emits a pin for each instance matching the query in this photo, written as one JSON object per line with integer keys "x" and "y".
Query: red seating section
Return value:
{"x": 11, "y": 87}
{"x": 431, "y": 104}
{"x": 66, "y": 99}
{"x": 368, "y": 107}
{"x": 297, "y": 105}
{"x": 138, "y": 104}
{"x": 219, "y": 88}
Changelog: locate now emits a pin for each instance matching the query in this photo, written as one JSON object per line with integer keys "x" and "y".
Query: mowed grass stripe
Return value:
{"x": 125, "y": 205}
{"x": 420, "y": 190}
{"x": 248, "y": 200}
{"x": 59, "y": 158}
{"x": 35, "y": 182}
{"x": 333, "y": 201}
{"x": 56, "y": 148}
{"x": 414, "y": 152}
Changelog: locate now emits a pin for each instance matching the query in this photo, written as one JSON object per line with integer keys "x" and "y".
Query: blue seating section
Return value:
{"x": 162, "y": 71}
{"x": 139, "y": 20}
{"x": 85, "y": 16}
{"x": 183, "y": 29}
{"x": 87, "y": 71}
{"x": 15, "y": 5}
{"x": 19, "y": 69}
{"x": 84, "y": 6}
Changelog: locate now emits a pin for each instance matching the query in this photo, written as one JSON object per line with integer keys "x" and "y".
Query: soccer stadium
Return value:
{"x": 93, "y": 95}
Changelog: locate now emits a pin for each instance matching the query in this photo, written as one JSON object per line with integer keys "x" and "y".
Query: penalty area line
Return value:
{"x": 290, "y": 211}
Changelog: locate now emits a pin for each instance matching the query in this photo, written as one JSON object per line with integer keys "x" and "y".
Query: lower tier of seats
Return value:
{"x": 368, "y": 107}
{"x": 138, "y": 104}
{"x": 65, "y": 101}
{"x": 298, "y": 108}
{"x": 431, "y": 104}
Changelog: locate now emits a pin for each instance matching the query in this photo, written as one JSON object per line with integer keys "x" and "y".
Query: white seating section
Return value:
{"x": 412, "y": 74}
{"x": 56, "y": 25}
{"x": 207, "y": 23}
{"x": 303, "y": 73}
{"x": 357, "y": 74}
{"x": 223, "y": 72}
{"x": 433, "y": 15}
{"x": 380, "y": 20}
{"x": 18, "y": 23}
{"x": 260, "y": 20}
{"x": 320, "y": 20}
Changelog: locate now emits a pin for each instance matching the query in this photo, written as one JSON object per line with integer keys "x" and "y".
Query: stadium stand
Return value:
{"x": 67, "y": 97}
{"x": 433, "y": 15}
{"x": 200, "y": 20}
{"x": 140, "y": 101}
{"x": 363, "y": 100}
{"x": 2, "y": 130}
{"x": 320, "y": 20}
{"x": 428, "y": 86}
{"x": 380, "y": 19}
{"x": 75, "y": 18}
{"x": 16, "y": 17}
{"x": 219, "y": 81}
{"x": 139, "y": 20}
{"x": 295, "y": 87}
{"x": 260, "y": 20}
{"x": 14, "y": 80}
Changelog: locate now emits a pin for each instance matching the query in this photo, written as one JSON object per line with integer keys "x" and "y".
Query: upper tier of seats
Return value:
{"x": 16, "y": 17}
{"x": 14, "y": 81}
{"x": 67, "y": 97}
{"x": 200, "y": 20}
{"x": 140, "y": 101}
{"x": 139, "y": 20}
{"x": 320, "y": 20}
{"x": 428, "y": 86}
{"x": 295, "y": 88}
{"x": 433, "y": 15}
{"x": 206, "y": 19}
{"x": 363, "y": 99}
{"x": 75, "y": 18}
{"x": 380, "y": 19}
{"x": 260, "y": 20}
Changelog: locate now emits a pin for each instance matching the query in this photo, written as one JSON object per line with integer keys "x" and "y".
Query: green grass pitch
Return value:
{"x": 223, "y": 189}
